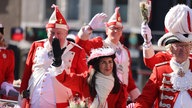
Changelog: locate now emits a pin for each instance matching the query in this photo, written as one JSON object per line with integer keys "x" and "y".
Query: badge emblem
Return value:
{"x": 4, "y": 56}
{"x": 118, "y": 50}
{"x": 181, "y": 73}
{"x": 50, "y": 54}
{"x": 120, "y": 68}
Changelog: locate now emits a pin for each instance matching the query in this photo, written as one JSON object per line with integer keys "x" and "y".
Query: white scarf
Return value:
{"x": 181, "y": 83}
{"x": 104, "y": 85}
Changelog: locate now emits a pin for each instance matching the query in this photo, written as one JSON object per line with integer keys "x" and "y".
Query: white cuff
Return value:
{"x": 54, "y": 71}
{"x": 147, "y": 45}
{"x": 85, "y": 32}
{"x": 148, "y": 50}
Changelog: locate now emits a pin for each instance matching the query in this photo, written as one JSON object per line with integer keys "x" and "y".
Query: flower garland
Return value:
{"x": 77, "y": 102}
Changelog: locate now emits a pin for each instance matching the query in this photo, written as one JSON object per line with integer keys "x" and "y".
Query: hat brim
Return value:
{"x": 99, "y": 53}
{"x": 94, "y": 60}
{"x": 55, "y": 25}
{"x": 173, "y": 37}
{"x": 115, "y": 23}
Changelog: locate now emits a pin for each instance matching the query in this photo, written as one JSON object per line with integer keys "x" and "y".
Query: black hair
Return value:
{"x": 2, "y": 30}
{"x": 92, "y": 77}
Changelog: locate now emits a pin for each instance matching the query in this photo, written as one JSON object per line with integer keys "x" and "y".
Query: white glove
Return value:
{"x": 97, "y": 21}
{"x": 146, "y": 32}
{"x": 84, "y": 33}
{"x": 7, "y": 87}
{"x": 131, "y": 105}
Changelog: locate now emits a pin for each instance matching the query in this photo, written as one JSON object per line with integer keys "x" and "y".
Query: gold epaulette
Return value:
{"x": 160, "y": 64}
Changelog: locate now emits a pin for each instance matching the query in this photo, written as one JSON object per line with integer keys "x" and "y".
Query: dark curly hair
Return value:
{"x": 92, "y": 78}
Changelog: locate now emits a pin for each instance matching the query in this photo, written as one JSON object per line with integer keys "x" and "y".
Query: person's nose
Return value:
{"x": 108, "y": 65}
{"x": 115, "y": 30}
{"x": 55, "y": 36}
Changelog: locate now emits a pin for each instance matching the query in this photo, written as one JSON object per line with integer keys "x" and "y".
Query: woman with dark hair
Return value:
{"x": 96, "y": 63}
{"x": 101, "y": 84}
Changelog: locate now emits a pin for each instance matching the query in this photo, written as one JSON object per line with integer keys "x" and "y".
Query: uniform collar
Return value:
{"x": 111, "y": 44}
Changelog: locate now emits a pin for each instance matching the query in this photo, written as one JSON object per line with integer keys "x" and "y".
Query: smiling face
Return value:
{"x": 106, "y": 65}
{"x": 58, "y": 33}
{"x": 114, "y": 33}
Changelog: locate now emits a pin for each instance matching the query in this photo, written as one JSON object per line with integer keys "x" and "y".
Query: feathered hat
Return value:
{"x": 179, "y": 19}
{"x": 99, "y": 53}
{"x": 57, "y": 20}
{"x": 115, "y": 19}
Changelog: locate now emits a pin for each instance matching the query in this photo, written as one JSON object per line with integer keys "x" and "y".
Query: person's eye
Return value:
{"x": 52, "y": 33}
{"x": 103, "y": 62}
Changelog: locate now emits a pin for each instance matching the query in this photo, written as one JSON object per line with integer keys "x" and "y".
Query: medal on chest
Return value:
{"x": 181, "y": 73}
{"x": 4, "y": 56}
{"x": 120, "y": 68}
{"x": 50, "y": 54}
{"x": 119, "y": 60}
{"x": 118, "y": 50}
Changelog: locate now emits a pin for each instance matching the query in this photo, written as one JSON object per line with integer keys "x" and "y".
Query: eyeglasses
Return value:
{"x": 115, "y": 28}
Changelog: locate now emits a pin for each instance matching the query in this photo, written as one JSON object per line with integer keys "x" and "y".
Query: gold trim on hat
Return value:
{"x": 60, "y": 21}
{"x": 4, "y": 56}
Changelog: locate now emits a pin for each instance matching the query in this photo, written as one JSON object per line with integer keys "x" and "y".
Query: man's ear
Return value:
{"x": 170, "y": 49}
{"x": 190, "y": 44}
{"x": 106, "y": 31}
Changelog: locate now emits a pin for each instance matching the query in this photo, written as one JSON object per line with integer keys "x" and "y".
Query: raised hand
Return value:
{"x": 97, "y": 21}
{"x": 57, "y": 52}
{"x": 146, "y": 32}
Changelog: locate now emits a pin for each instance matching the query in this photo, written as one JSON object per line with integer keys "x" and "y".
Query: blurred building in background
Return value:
{"x": 32, "y": 16}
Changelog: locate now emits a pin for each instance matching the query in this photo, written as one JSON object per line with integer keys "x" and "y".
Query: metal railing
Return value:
{"x": 6, "y": 103}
